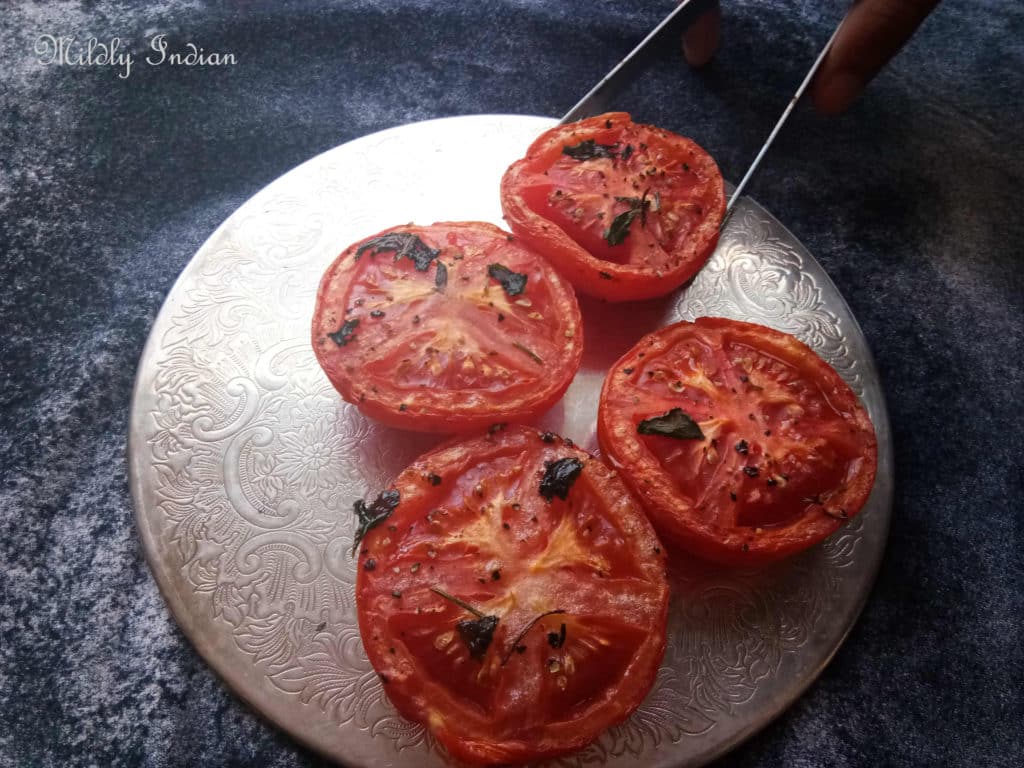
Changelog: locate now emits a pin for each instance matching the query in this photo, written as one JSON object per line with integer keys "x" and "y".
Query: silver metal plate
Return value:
{"x": 245, "y": 462}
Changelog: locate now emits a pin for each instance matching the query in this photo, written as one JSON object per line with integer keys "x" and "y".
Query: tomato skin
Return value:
{"x": 660, "y": 165}
{"x": 452, "y": 352}
{"x": 790, "y": 422}
{"x": 471, "y": 521}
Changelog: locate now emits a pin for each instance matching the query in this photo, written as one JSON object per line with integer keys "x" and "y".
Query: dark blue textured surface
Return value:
{"x": 911, "y": 201}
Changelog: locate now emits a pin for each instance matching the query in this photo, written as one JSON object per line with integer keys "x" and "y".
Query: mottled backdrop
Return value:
{"x": 109, "y": 184}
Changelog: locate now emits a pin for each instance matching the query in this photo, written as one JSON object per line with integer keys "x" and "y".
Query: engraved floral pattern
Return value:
{"x": 758, "y": 274}
{"x": 247, "y": 464}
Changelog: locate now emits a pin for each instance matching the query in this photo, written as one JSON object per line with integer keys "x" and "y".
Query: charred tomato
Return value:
{"x": 625, "y": 211}
{"x": 518, "y": 607}
{"x": 448, "y": 327}
{"x": 743, "y": 445}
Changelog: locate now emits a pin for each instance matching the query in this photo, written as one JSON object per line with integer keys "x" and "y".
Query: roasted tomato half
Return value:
{"x": 449, "y": 327}
{"x": 744, "y": 446}
{"x": 514, "y": 600}
{"x": 625, "y": 211}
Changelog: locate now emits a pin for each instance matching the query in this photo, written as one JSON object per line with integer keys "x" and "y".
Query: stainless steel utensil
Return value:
{"x": 599, "y": 98}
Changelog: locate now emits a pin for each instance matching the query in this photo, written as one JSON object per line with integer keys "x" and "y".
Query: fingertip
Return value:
{"x": 701, "y": 39}
{"x": 835, "y": 92}
{"x": 871, "y": 34}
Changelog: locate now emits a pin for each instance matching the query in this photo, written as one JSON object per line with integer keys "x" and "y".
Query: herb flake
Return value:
{"x": 514, "y": 283}
{"x": 346, "y": 333}
{"x": 441, "y": 277}
{"x": 477, "y": 634}
{"x": 529, "y": 352}
{"x": 619, "y": 229}
{"x": 676, "y": 424}
{"x": 557, "y": 639}
{"x": 401, "y": 244}
{"x": 372, "y": 515}
{"x": 590, "y": 150}
{"x": 559, "y": 477}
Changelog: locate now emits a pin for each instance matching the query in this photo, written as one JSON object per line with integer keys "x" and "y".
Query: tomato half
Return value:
{"x": 514, "y": 623}
{"x": 744, "y": 446}
{"x": 448, "y": 327}
{"x": 625, "y": 211}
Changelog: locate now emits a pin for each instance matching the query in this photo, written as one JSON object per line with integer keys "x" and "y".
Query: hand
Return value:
{"x": 873, "y": 32}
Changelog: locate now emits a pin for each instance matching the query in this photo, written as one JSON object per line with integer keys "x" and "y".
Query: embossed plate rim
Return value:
{"x": 249, "y": 683}
{"x": 883, "y": 487}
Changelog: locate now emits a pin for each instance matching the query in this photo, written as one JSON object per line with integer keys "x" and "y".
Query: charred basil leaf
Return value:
{"x": 346, "y": 333}
{"x": 514, "y": 283}
{"x": 616, "y": 233}
{"x": 401, "y": 244}
{"x": 477, "y": 634}
{"x": 441, "y": 276}
{"x": 559, "y": 476}
{"x": 371, "y": 515}
{"x": 589, "y": 150}
{"x": 676, "y": 423}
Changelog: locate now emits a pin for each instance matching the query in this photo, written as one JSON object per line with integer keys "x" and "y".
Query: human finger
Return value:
{"x": 700, "y": 41}
{"x": 872, "y": 33}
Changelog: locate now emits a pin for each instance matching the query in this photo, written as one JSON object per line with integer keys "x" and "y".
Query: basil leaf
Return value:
{"x": 372, "y": 515}
{"x": 590, "y": 150}
{"x": 676, "y": 424}
{"x": 401, "y": 244}
{"x": 441, "y": 276}
{"x": 514, "y": 283}
{"x": 616, "y": 233}
{"x": 559, "y": 477}
{"x": 477, "y": 634}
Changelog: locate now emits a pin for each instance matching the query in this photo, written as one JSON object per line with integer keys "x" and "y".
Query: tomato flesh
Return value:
{"x": 578, "y": 587}
{"x": 566, "y": 205}
{"x": 787, "y": 452}
{"x": 446, "y": 347}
